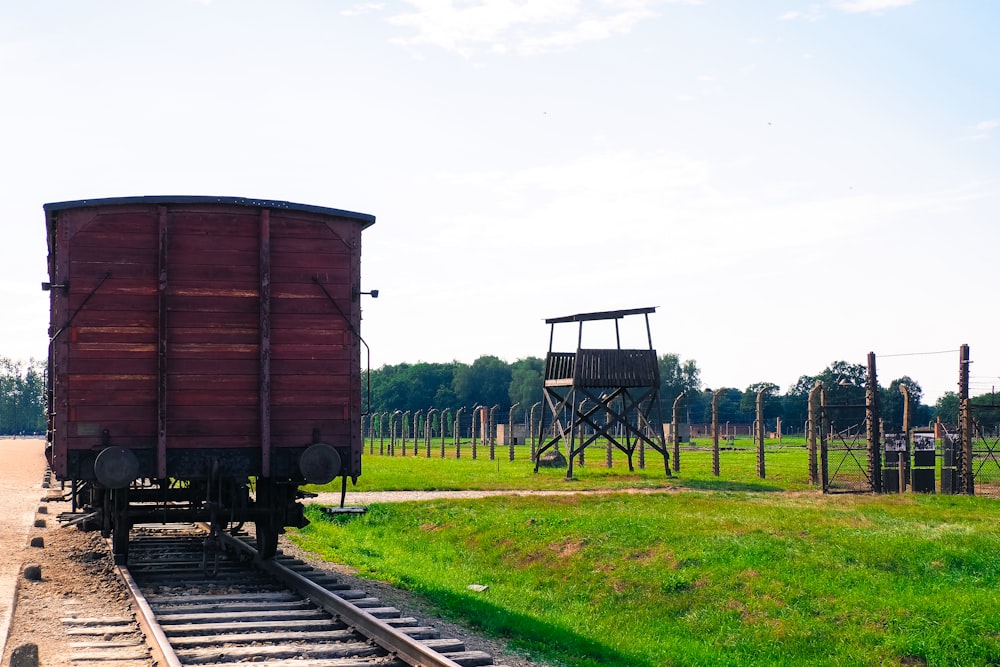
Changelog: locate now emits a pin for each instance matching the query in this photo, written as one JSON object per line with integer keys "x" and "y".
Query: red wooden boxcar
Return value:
{"x": 207, "y": 347}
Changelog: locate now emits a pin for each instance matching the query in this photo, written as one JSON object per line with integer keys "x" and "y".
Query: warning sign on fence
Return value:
{"x": 923, "y": 442}
{"x": 895, "y": 442}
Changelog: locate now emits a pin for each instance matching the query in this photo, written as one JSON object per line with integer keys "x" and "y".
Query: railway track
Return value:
{"x": 223, "y": 606}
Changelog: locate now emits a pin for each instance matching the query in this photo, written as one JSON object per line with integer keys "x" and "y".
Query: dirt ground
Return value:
{"x": 21, "y": 469}
{"x": 78, "y": 576}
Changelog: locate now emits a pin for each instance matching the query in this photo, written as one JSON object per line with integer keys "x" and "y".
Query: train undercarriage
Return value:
{"x": 114, "y": 497}
{"x": 268, "y": 504}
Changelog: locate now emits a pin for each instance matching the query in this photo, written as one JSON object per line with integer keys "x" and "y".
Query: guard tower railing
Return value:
{"x": 602, "y": 368}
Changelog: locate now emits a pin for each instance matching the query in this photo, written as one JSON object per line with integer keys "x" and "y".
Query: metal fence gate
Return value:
{"x": 986, "y": 462}
{"x": 851, "y": 440}
{"x": 845, "y": 462}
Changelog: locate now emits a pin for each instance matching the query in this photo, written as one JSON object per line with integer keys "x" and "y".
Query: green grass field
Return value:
{"x": 787, "y": 469}
{"x": 697, "y": 571}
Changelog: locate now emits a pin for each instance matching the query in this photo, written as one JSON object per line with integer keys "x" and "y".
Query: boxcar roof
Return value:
{"x": 365, "y": 219}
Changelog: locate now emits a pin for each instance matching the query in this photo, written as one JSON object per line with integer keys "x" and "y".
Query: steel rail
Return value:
{"x": 162, "y": 653}
{"x": 392, "y": 640}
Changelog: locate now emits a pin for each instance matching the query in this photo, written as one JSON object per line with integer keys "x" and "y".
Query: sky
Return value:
{"x": 789, "y": 183}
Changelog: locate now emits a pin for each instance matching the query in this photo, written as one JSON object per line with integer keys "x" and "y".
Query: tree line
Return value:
{"x": 22, "y": 397}
{"x": 491, "y": 381}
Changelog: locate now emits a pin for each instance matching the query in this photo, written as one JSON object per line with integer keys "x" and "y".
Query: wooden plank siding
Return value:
{"x": 601, "y": 368}
{"x": 108, "y": 327}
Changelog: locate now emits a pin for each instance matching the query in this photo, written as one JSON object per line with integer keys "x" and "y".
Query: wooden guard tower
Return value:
{"x": 602, "y": 393}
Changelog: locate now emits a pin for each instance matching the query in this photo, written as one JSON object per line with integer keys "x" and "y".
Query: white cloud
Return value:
{"x": 362, "y": 8}
{"x": 812, "y": 14}
{"x": 869, "y": 6}
{"x": 588, "y": 30}
{"x": 527, "y": 27}
{"x": 982, "y": 130}
{"x": 469, "y": 27}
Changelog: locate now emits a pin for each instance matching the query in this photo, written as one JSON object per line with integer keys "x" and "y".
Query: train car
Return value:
{"x": 204, "y": 359}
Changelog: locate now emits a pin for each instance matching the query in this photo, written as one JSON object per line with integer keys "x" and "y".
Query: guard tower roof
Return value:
{"x": 603, "y": 315}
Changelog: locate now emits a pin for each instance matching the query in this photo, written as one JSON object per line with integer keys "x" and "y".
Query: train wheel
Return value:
{"x": 106, "y": 514}
{"x": 267, "y": 537}
{"x": 120, "y": 525}
{"x": 269, "y": 509}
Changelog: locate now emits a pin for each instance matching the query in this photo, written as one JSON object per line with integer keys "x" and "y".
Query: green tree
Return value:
{"x": 700, "y": 406}
{"x": 486, "y": 382}
{"x": 412, "y": 386}
{"x": 772, "y": 403}
{"x": 946, "y": 408}
{"x": 843, "y": 384}
{"x": 891, "y": 402}
{"x": 491, "y": 381}
{"x": 841, "y": 380}
{"x": 729, "y": 407}
{"x": 795, "y": 408}
{"x": 675, "y": 377}
{"x": 445, "y": 397}
{"x": 986, "y": 411}
{"x": 526, "y": 381}
{"x": 22, "y": 397}
{"x": 697, "y": 402}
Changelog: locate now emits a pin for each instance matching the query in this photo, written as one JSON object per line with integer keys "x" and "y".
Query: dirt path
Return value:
{"x": 362, "y": 498}
{"x": 22, "y": 465}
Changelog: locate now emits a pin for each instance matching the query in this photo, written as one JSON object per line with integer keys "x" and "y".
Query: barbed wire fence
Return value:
{"x": 842, "y": 447}
{"x": 485, "y": 432}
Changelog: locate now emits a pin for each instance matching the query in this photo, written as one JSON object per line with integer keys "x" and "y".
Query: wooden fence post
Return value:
{"x": 458, "y": 433}
{"x": 491, "y": 432}
{"x": 403, "y": 421}
{"x": 814, "y": 419}
{"x": 715, "y": 430}
{"x": 444, "y": 423}
{"x": 428, "y": 429}
{"x": 874, "y": 432}
{"x": 531, "y": 429}
{"x": 966, "y": 472}
{"x": 760, "y": 433}
{"x": 824, "y": 455}
{"x": 510, "y": 427}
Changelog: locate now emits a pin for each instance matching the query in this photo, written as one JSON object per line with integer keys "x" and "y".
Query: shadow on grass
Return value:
{"x": 529, "y": 633}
